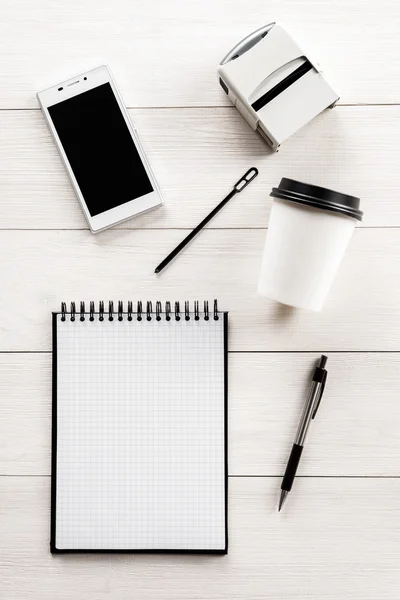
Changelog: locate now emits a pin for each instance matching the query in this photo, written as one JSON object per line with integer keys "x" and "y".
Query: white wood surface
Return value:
{"x": 166, "y": 53}
{"x": 352, "y": 437}
{"x": 352, "y": 149}
{"x": 339, "y": 535}
{"x": 43, "y": 268}
{"x": 298, "y": 554}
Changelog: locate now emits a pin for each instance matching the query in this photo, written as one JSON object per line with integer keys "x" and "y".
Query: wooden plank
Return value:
{"x": 197, "y": 156}
{"x": 25, "y": 414}
{"x": 166, "y": 54}
{"x": 337, "y": 538}
{"x": 41, "y": 268}
{"x": 354, "y": 435}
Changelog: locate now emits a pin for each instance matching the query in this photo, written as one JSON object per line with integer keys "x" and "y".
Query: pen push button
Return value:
{"x": 320, "y": 375}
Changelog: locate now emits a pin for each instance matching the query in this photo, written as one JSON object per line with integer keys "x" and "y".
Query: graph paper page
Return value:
{"x": 140, "y": 445}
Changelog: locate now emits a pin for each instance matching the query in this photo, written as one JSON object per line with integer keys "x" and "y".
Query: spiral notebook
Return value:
{"x": 139, "y": 441}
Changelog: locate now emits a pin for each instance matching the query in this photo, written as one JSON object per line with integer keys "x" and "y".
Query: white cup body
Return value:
{"x": 303, "y": 250}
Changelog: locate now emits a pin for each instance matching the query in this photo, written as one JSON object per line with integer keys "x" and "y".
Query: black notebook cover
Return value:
{"x": 139, "y": 440}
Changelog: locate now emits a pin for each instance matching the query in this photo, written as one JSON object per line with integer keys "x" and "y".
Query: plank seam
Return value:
{"x": 214, "y": 106}
{"x": 26, "y": 475}
{"x": 317, "y": 350}
{"x": 363, "y": 228}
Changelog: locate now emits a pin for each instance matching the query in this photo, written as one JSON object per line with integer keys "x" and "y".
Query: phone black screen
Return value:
{"x": 100, "y": 149}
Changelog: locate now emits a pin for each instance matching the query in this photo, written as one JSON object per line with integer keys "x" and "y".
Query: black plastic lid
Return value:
{"x": 319, "y": 197}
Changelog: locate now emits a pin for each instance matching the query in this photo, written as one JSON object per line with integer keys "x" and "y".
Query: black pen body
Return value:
{"x": 309, "y": 412}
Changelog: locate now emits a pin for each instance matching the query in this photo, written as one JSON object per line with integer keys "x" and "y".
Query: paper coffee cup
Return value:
{"x": 308, "y": 233}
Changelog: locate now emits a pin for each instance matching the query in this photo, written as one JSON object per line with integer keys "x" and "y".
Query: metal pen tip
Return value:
{"x": 283, "y": 497}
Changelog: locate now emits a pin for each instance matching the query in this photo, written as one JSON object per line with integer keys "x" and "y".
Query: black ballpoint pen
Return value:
{"x": 309, "y": 412}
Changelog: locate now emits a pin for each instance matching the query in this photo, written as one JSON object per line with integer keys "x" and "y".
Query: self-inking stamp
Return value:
{"x": 274, "y": 84}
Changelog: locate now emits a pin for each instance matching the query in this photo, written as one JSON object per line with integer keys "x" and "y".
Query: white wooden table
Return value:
{"x": 339, "y": 535}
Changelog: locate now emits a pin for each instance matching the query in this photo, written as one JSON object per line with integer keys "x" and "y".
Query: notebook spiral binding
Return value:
{"x": 143, "y": 311}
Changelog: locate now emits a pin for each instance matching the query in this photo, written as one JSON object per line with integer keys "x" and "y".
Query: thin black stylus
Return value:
{"x": 238, "y": 187}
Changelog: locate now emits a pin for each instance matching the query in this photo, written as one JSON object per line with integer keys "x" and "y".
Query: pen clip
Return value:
{"x": 318, "y": 402}
{"x": 246, "y": 179}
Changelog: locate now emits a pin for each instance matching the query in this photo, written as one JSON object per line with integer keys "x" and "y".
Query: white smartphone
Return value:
{"x": 100, "y": 148}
